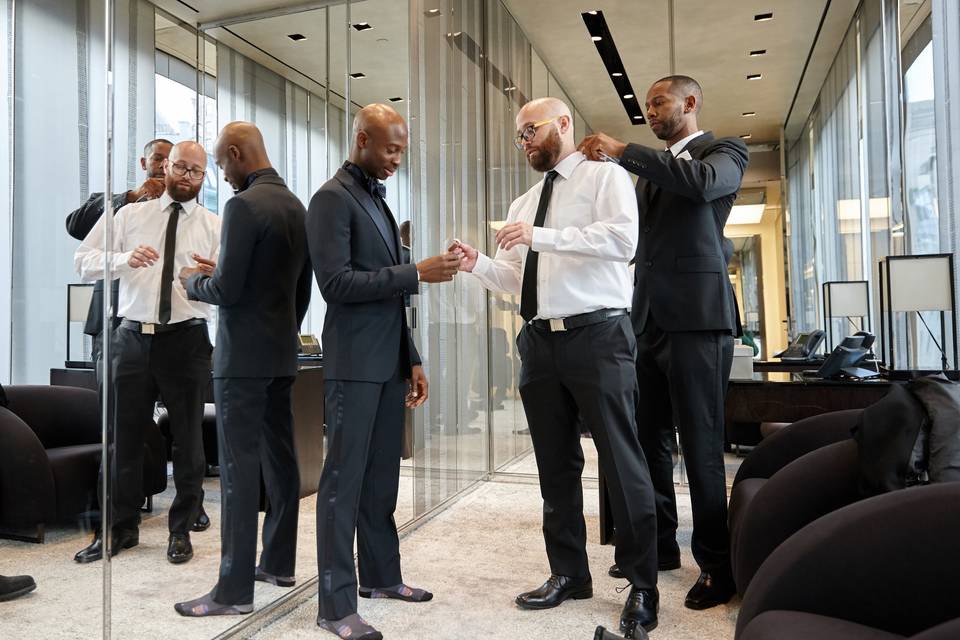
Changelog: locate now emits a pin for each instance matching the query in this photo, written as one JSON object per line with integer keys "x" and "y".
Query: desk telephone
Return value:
{"x": 804, "y": 347}
{"x": 846, "y": 357}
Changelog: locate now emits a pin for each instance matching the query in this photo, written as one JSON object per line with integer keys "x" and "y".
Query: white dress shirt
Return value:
{"x": 588, "y": 237}
{"x": 145, "y": 223}
{"x": 677, "y": 147}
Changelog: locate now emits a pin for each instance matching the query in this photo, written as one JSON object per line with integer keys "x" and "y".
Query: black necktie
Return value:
{"x": 169, "y": 250}
{"x": 528, "y": 290}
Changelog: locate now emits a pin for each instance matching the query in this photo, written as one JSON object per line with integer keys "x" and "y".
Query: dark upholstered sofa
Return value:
{"x": 883, "y": 568}
{"x": 50, "y": 457}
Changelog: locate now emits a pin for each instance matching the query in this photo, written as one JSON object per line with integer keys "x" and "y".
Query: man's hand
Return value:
{"x": 466, "y": 253}
{"x": 143, "y": 256}
{"x": 593, "y": 146}
{"x": 150, "y": 189}
{"x": 418, "y": 387}
{"x": 204, "y": 266}
{"x": 440, "y": 268}
{"x": 513, "y": 234}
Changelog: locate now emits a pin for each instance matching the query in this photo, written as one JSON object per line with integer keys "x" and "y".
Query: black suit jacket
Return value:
{"x": 261, "y": 283}
{"x": 680, "y": 277}
{"x": 362, "y": 275}
{"x": 79, "y": 224}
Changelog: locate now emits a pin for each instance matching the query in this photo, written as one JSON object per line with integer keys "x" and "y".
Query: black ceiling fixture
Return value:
{"x": 600, "y": 34}
{"x": 297, "y": 37}
{"x": 362, "y": 26}
{"x": 358, "y": 75}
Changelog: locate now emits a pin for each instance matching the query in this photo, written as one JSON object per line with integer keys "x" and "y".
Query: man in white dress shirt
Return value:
{"x": 161, "y": 346}
{"x": 565, "y": 249}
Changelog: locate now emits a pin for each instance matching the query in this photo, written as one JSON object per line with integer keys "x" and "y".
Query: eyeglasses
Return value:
{"x": 530, "y": 132}
{"x": 180, "y": 169}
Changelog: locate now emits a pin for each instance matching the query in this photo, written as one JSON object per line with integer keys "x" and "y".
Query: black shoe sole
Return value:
{"x": 583, "y": 594}
{"x": 128, "y": 544}
{"x": 19, "y": 592}
{"x": 197, "y": 528}
{"x": 709, "y": 604}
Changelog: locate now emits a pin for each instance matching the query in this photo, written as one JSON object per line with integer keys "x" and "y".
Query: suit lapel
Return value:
{"x": 369, "y": 206}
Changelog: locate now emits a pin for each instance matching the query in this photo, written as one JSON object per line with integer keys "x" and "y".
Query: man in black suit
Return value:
{"x": 371, "y": 369}
{"x": 684, "y": 316}
{"x": 81, "y": 221}
{"x": 262, "y": 287}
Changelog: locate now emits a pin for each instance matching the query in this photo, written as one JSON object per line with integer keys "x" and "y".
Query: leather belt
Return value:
{"x": 579, "y": 320}
{"x": 150, "y": 328}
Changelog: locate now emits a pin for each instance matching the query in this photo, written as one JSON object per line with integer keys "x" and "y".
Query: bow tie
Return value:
{"x": 377, "y": 188}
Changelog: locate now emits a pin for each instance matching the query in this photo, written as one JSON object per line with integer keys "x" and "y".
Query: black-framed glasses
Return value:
{"x": 179, "y": 169}
{"x": 529, "y": 132}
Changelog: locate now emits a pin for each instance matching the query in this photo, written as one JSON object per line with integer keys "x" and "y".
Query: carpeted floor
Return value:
{"x": 478, "y": 554}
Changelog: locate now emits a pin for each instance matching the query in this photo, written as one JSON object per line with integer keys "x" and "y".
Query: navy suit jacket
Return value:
{"x": 680, "y": 273}
{"x": 261, "y": 283}
{"x": 364, "y": 278}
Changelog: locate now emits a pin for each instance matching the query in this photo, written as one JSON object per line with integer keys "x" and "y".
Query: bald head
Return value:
{"x": 184, "y": 170}
{"x": 553, "y": 125}
{"x": 380, "y": 139}
{"x": 240, "y": 151}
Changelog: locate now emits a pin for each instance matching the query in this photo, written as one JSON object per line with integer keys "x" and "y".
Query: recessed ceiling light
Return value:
{"x": 746, "y": 136}
{"x": 754, "y": 76}
{"x": 510, "y": 89}
{"x": 362, "y": 26}
{"x": 747, "y": 114}
{"x": 762, "y": 17}
{"x": 432, "y": 12}
{"x": 397, "y": 99}
{"x": 627, "y": 96}
{"x": 638, "y": 117}
{"x": 596, "y": 38}
{"x": 616, "y": 74}
{"x": 297, "y": 37}
{"x": 593, "y": 13}
{"x": 758, "y": 52}
{"x": 358, "y": 75}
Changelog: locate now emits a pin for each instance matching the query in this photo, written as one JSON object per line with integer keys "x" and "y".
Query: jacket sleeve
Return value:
{"x": 238, "y": 238}
{"x": 329, "y": 233}
{"x": 81, "y": 221}
{"x": 719, "y": 173}
{"x": 304, "y": 285}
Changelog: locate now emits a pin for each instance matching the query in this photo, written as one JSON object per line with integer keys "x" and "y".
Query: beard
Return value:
{"x": 181, "y": 193}
{"x": 671, "y": 126}
{"x": 545, "y": 156}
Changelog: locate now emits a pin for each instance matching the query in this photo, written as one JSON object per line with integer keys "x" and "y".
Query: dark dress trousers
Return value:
{"x": 79, "y": 223}
{"x": 684, "y": 315}
{"x": 262, "y": 287}
{"x": 368, "y": 353}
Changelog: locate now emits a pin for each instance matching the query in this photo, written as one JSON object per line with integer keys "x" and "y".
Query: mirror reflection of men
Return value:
{"x": 261, "y": 284}
{"x": 565, "y": 248}
{"x": 684, "y": 316}
{"x": 161, "y": 346}
{"x": 371, "y": 369}
{"x": 81, "y": 221}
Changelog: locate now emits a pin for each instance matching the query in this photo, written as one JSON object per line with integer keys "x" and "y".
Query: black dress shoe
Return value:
{"x": 15, "y": 586}
{"x": 640, "y": 610}
{"x": 120, "y": 540}
{"x": 711, "y": 589}
{"x": 663, "y": 564}
{"x": 554, "y": 591}
{"x": 179, "y": 549}
{"x": 202, "y": 523}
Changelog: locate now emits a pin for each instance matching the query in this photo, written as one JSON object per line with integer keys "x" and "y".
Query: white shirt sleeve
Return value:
{"x": 88, "y": 259}
{"x": 613, "y": 236}
{"x": 502, "y": 272}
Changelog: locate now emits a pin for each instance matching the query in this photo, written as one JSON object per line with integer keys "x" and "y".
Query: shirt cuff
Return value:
{"x": 544, "y": 239}
{"x": 483, "y": 266}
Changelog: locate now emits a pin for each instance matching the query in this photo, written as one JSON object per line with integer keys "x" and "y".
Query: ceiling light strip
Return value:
{"x": 600, "y": 34}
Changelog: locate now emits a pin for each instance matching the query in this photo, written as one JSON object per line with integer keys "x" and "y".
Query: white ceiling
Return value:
{"x": 711, "y": 41}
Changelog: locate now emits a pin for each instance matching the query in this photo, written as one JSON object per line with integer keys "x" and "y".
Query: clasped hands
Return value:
{"x": 204, "y": 266}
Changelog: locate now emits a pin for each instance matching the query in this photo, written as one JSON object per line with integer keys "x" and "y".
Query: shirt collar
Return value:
{"x": 188, "y": 207}
{"x": 677, "y": 147}
{"x": 566, "y": 166}
{"x": 268, "y": 171}
{"x": 371, "y": 184}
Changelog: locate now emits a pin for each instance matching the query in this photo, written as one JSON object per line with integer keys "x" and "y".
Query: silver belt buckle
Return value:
{"x": 146, "y": 328}
{"x": 556, "y": 324}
